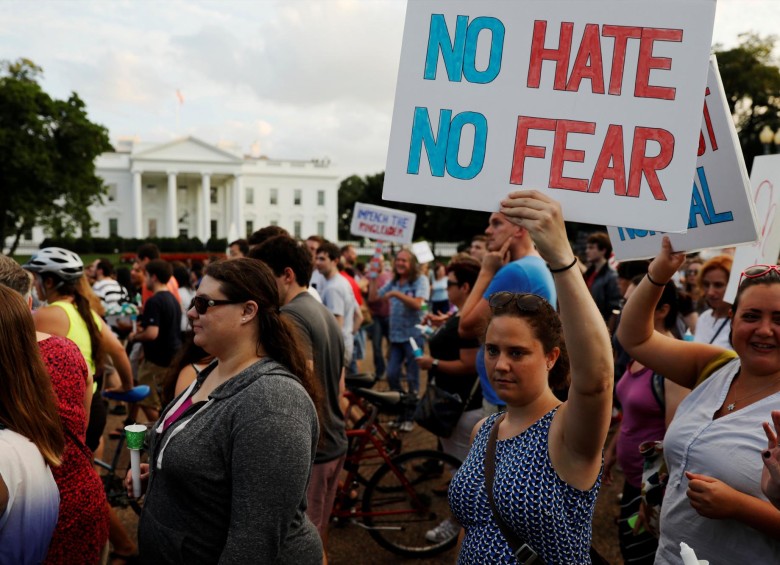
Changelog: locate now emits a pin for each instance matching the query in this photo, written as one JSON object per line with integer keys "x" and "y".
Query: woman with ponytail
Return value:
{"x": 31, "y": 439}
{"x": 230, "y": 458}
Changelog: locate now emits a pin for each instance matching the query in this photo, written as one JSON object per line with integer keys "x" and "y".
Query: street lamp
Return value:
{"x": 766, "y": 136}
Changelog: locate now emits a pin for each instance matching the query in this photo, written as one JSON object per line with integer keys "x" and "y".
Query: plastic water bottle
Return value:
{"x": 415, "y": 348}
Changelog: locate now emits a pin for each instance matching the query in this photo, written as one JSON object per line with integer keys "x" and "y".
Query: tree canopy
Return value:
{"x": 751, "y": 80}
{"x": 47, "y": 157}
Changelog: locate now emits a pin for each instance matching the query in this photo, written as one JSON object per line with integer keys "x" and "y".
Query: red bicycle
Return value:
{"x": 405, "y": 496}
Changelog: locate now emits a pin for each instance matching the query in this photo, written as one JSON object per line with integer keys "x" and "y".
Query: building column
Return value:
{"x": 238, "y": 206}
{"x": 137, "y": 227}
{"x": 171, "y": 216}
{"x": 205, "y": 207}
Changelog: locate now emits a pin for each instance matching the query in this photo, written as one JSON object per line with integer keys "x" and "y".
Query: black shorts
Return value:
{"x": 97, "y": 421}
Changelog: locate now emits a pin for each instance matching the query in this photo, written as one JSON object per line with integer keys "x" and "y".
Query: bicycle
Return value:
{"x": 399, "y": 502}
{"x": 116, "y": 493}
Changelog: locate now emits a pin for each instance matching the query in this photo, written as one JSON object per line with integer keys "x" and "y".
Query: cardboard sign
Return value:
{"x": 386, "y": 224}
{"x": 765, "y": 180}
{"x": 596, "y": 103}
{"x": 422, "y": 251}
{"x": 721, "y": 210}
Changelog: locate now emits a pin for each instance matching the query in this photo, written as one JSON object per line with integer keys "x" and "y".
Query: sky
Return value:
{"x": 293, "y": 79}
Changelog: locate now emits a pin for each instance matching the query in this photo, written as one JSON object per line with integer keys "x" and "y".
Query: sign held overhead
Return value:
{"x": 380, "y": 223}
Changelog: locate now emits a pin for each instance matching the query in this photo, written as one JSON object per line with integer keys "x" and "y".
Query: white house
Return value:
{"x": 189, "y": 187}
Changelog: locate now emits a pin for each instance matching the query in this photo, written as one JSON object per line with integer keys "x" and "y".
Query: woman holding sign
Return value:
{"x": 713, "y": 446}
{"x": 529, "y": 483}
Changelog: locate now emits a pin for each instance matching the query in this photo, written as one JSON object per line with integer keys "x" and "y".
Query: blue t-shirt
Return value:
{"x": 403, "y": 319}
{"x": 527, "y": 274}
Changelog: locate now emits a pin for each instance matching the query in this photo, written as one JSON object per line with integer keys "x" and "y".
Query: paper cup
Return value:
{"x": 135, "y": 435}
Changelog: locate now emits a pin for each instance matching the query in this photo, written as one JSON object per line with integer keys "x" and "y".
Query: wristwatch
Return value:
{"x": 435, "y": 363}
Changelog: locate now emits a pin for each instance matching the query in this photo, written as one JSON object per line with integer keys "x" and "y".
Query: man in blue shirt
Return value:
{"x": 511, "y": 264}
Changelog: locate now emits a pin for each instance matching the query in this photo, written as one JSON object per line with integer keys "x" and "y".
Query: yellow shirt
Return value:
{"x": 78, "y": 332}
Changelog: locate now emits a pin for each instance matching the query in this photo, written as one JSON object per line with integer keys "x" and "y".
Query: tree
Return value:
{"x": 751, "y": 80}
{"x": 47, "y": 157}
{"x": 433, "y": 223}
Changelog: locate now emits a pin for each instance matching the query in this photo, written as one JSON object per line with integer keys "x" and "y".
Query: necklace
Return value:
{"x": 730, "y": 407}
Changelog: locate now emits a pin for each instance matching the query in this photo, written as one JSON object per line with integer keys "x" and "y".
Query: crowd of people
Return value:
{"x": 568, "y": 368}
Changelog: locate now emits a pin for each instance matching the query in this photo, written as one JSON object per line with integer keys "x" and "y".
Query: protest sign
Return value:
{"x": 596, "y": 103}
{"x": 721, "y": 209}
{"x": 422, "y": 251}
{"x": 765, "y": 180}
{"x": 385, "y": 224}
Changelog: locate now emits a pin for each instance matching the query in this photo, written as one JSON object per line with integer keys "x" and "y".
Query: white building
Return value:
{"x": 192, "y": 188}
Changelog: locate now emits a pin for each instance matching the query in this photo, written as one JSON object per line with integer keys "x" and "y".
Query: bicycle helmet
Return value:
{"x": 57, "y": 261}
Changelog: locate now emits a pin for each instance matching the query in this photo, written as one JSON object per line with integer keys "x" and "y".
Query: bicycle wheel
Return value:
{"x": 401, "y": 503}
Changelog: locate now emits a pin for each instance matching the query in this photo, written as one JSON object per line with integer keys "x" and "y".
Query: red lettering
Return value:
{"x": 561, "y": 154}
{"x": 590, "y": 51}
{"x": 621, "y": 34}
{"x": 642, "y": 164}
{"x": 522, "y": 149}
{"x": 646, "y": 63}
{"x": 559, "y": 55}
{"x": 710, "y": 131}
{"x": 611, "y": 152}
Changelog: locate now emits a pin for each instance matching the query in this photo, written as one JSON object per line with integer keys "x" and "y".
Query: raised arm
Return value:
{"x": 586, "y": 337}
{"x": 677, "y": 360}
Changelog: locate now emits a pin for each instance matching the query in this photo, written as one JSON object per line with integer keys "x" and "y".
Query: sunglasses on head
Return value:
{"x": 757, "y": 271}
{"x": 202, "y": 304}
{"x": 524, "y": 302}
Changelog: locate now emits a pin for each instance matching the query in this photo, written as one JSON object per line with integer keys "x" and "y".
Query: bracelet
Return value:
{"x": 652, "y": 281}
{"x": 566, "y": 268}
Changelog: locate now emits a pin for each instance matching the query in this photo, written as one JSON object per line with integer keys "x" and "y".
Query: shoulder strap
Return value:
{"x": 720, "y": 327}
{"x": 520, "y": 549}
{"x": 657, "y": 386}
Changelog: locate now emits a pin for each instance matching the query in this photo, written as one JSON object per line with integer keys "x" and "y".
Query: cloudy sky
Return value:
{"x": 288, "y": 79}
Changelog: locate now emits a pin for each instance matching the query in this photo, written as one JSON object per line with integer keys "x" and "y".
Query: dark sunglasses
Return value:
{"x": 452, "y": 283}
{"x": 202, "y": 304}
{"x": 758, "y": 271}
{"x": 524, "y": 302}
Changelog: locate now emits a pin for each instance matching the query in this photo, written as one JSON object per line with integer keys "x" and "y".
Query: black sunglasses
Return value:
{"x": 452, "y": 283}
{"x": 202, "y": 304}
{"x": 524, "y": 302}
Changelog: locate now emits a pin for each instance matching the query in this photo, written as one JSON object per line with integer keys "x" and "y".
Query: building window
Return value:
{"x": 297, "y": 196}
{"x": 113, "y": 227}
{"x": 274, "y": 222}
{"x": 250, "y": 227}
{"x": 321, "y": 229}
{"x": 320, "y": 198}
{"x": 184, "y": 233}
{"x": 274, "y": 197}
{"x": 213, "y": 194}
{"x": 297, "y": 229}
{"x": 111, "y": 192}
{"x": 213, "y": 229}
{"x": 152, "y": 227}
{"x": 250, "y": 195}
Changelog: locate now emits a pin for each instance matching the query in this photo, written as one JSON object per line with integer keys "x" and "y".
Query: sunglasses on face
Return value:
{"x": 757, "y": 271}
{"x": 524, "y": 302}
{"x": 202, "y": 304}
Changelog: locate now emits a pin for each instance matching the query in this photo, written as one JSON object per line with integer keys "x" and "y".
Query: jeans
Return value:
{"x": 359, "y": 351}
{"x": 401, "y": 353}
{"x": 380, "y": 328}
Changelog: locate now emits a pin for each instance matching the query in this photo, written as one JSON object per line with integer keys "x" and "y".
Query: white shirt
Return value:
{"x": 29, "y": 520}
{"x": 337, "y": 296}
{"x": 707, "y": 327}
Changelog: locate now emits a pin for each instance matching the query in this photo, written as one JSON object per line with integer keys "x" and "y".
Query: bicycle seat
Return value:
{"x": 135, "y": 394}
{"x": 360, "y": 380}
{"x": 387, "y": 399}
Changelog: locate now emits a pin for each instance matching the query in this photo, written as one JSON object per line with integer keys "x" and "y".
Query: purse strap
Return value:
{"x": 523, "y": 552}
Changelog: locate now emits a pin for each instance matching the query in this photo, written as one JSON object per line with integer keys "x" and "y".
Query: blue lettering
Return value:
{"x": 702, "y": 205}
{"x": 715, "y": 217}
{"x": 459, "y": 54}
{"x": 480, "y": 141}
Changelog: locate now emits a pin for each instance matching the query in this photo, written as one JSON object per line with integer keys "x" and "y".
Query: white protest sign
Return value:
{"x": 597, "y": 103}
{"x": 378, "y": 222}
{"x": 721, "y": 207}
{"x": 765, "y": 180}
{"x": 422, "y": 251}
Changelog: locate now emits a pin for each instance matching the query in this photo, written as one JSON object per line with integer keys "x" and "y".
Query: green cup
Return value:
{"x": 135, "y": 434}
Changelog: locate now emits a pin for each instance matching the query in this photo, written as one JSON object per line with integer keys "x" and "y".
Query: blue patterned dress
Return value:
{"x": 552, "y": 516}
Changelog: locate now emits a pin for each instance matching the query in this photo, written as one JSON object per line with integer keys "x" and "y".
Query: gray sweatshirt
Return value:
{"x": 229, "y": 477}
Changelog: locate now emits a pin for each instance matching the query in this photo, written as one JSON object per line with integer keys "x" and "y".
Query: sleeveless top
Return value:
{"x": 78, "y": 332}
{"x": 549, "y": 514}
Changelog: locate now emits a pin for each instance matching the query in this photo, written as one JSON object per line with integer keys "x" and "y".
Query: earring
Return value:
{"x": 243, "y": 319}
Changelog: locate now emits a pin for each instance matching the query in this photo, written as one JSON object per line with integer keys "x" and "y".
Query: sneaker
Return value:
{"x": 407, "y": 426}
{"x": 445, "y": 531}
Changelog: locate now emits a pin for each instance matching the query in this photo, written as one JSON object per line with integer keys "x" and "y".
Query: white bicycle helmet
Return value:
{"x": 58, "y": 261}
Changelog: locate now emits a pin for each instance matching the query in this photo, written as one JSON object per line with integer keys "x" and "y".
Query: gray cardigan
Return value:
{"x": 229, "y": 477}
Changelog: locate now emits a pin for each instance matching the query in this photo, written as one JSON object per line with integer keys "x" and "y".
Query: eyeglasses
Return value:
{"x": 202, "y": 304}
{"x": 757, "y": 271}
{"x": 524, "y": 302}
{"x": 692, "y": 272}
